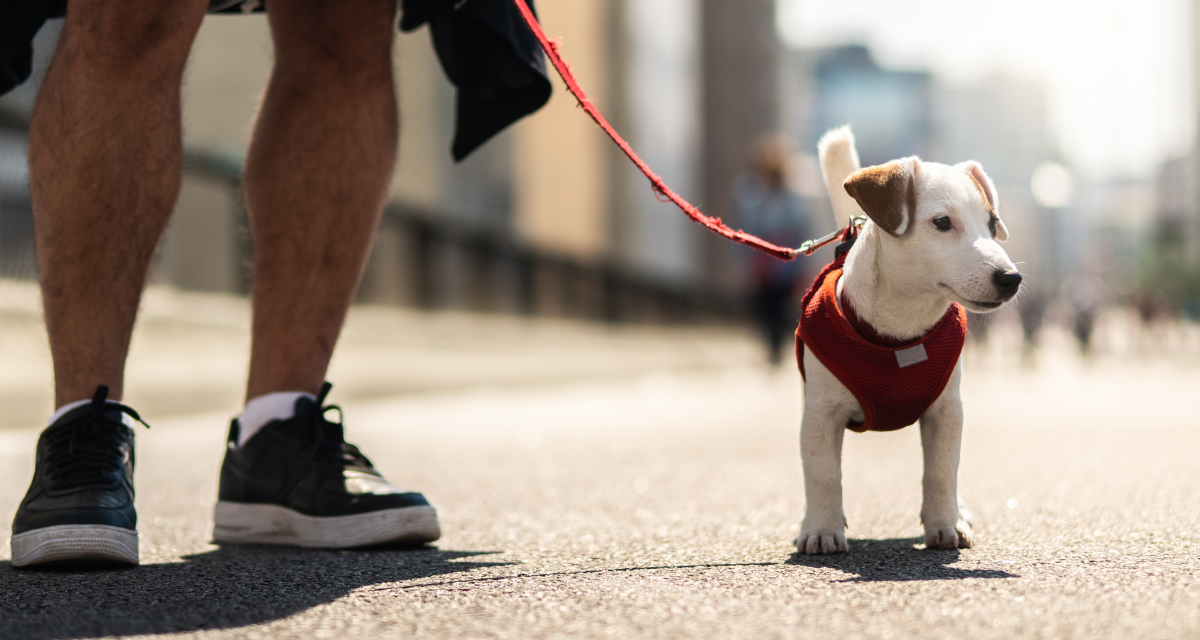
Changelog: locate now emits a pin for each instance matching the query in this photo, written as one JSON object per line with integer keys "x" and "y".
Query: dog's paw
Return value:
{"x": 821, "y": 542}
{"x": 959, "y": 536}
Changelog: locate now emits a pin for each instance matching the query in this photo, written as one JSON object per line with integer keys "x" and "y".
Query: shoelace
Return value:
{"x": 329, "y": 437}
{"x": 84, "y": 451}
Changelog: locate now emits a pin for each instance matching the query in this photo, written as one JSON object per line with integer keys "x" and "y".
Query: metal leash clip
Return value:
{"x": 809, "y": 247}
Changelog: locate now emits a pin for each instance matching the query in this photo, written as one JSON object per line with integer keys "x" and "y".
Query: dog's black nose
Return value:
{"x": 1007, "y": 282}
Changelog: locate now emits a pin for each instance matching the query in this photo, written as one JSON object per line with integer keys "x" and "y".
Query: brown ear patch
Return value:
{"x": 887, "y": 193}
{"x": 983, "y": 194}
{"x": 987, "y": 193}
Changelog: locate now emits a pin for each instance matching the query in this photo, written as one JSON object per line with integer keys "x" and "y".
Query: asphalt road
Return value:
{"x": 664, "y": 505}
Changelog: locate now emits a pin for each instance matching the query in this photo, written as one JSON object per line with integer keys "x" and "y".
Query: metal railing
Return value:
{"x": 422, "y": 258}
{"x": 429, "y": 259}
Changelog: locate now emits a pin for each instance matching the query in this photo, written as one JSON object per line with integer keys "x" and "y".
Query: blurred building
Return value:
{"x": 1121, "y": 215}
{"x": 1169, "y": 248}
{"x": 1002, "y": 123}
{"x": 890, "y": 111}
{"x": 741, "y": 62}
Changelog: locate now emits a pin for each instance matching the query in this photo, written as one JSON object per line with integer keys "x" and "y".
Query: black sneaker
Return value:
{"x": 79, "y": 507}
{"x": 297, "y": 482}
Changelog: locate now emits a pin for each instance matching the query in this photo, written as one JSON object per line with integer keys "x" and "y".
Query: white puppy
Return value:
{"x": 930, "y": 240}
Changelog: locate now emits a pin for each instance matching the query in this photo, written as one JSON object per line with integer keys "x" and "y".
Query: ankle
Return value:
{"x": 71, "y": 406}
{"x": 263, "y": 409}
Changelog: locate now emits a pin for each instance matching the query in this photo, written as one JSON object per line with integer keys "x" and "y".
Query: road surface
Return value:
{"x": 663, "y": 503}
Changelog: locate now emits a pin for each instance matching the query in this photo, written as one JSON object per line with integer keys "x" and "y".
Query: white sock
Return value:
{"x": 66, "y": 408}
{"x": 263, "y": 409}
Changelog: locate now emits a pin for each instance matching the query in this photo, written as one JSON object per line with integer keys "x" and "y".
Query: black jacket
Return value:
{"x": 484, "y": 47}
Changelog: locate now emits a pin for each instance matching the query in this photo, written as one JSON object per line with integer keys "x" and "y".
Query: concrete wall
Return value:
{"x": 226, "y": 73}
{"x": 664, "y": 108}
{"x": 203, "y": 246}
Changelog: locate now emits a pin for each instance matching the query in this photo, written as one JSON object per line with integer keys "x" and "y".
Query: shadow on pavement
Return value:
{"x": 895, "y": 560}
{"x": 581, "y": 572}
{"x": 231, "y": 587}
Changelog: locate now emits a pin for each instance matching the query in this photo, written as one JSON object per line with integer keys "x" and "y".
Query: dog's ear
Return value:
{"x": 987, "y": 191}
{"x": 1001, "y": 230}
{"x": 887, "y": 193}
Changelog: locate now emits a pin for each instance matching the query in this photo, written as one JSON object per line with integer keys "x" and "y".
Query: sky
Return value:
{"x": 1117, "y": 73}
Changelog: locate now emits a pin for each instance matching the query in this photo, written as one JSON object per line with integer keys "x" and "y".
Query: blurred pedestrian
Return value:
{"x": 1031, "y": 308}
{"x": 1154, "y": 311}
{"x": 770, "y": 210}
{"x": 105, "y": 151}
{"x": 1085, "y": 295}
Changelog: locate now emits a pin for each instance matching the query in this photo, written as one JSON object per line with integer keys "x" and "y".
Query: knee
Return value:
{"x": 133, "y": 34}
{"x": 345, "y": 42}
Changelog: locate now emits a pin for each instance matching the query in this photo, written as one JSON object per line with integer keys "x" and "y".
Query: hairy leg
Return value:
{"x": 322, "y": 155}
{"x": 105, "y": 164}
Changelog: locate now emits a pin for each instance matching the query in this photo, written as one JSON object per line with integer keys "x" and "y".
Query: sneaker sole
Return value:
{"x": 71, "y": 543}
{"x": 238, "y": 522}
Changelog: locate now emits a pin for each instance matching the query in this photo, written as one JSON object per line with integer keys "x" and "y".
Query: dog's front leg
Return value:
{"x": 947, "y": 523}
{"x": 827, "y": 406}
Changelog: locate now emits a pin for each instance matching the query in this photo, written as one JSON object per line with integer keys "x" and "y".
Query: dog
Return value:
{"x": 928, "y": 248}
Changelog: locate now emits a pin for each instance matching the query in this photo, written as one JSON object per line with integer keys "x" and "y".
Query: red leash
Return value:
{"x": 660, "y": 188}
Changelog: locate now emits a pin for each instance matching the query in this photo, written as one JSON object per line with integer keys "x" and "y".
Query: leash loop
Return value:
{"x": 809, "y": 247}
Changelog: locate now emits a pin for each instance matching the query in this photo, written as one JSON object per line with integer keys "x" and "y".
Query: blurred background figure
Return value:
{"x": 1031, "y": 309}
{"x": 769, "y": 209}
{"x": 1154, "y": 315}
{"x": 1086, "y": 296}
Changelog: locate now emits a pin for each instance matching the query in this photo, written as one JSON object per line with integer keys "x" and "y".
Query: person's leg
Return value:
{"x": 774, "y": 318}
{"x": 104, "y": 156}
{"x": 316, "y": 180}
{"x": 317, "y": 175}
{"x": 104, "y": 170}
{"x": 761, "y": 304}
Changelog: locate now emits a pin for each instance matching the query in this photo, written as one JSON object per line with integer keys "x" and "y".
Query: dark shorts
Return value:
{"x": 484, "y": 47}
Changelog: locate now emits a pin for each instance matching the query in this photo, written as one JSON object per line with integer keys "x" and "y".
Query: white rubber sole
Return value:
{"x": 75, "y": 543}
{"x": 237, "y": 522}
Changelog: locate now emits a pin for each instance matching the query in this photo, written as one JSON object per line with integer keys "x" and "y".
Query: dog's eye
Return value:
{"x": 992, "y": 225}
{"x": 942, "y": 223}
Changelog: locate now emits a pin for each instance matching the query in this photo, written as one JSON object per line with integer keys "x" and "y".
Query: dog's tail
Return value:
{"x": 839, "y": 159}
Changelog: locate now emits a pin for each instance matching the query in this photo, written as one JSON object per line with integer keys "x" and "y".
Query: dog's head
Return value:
{"x": 942, "y": 228}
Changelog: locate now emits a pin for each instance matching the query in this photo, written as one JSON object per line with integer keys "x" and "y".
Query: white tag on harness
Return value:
{"x": 910, "y": 356}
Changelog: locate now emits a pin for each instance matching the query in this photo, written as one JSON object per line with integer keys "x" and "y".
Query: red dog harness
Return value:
{"x": 894, "y": 383}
